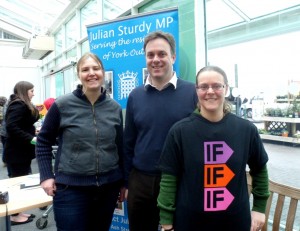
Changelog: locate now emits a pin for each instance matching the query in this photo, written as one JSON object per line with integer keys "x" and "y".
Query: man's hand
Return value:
{"x": 121, "y": 197}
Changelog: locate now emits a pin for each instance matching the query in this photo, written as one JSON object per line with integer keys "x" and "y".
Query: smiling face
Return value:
{"x": 211, "y": 91}
{"x": 159, "y": 60}
{"x": 91, "y": 75}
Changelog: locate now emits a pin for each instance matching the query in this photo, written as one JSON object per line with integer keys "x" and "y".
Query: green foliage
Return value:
{"x": 262, "y": 131}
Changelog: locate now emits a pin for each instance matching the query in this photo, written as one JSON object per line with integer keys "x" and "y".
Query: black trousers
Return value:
{"x": 20, "y": 169}
{"x": 143, "y": 212}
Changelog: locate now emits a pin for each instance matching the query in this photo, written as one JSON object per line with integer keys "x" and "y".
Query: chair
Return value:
{"x": 282, "y": 192}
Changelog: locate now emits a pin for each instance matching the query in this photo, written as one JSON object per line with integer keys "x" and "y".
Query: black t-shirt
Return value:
{"x": 209, "y": 159}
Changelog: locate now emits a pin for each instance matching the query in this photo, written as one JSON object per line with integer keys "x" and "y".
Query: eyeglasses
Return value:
{"x": 215, "y": 87}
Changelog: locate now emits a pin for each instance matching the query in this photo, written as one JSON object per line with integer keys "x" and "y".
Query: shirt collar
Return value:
{"x": 172, "y": 81}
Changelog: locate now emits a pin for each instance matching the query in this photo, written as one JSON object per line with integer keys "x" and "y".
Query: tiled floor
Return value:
{"x": 283, "y": 165}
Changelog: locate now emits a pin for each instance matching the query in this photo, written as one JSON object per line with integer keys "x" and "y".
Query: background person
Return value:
{"x": 88, "y": 170}
{"x": 3, "y": 101}
{"x": 48, "y": 102}
{"x": 203, "y": 163}
{"x": 3, "y": 106}
{"x": 151, "y": 110}
{"x": 3, "y": 134}
{"x": 20, "y": 117}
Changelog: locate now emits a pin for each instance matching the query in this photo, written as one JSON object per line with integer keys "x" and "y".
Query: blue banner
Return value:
{"x": 120, "y": 219}
{"x": 119, "y": 44}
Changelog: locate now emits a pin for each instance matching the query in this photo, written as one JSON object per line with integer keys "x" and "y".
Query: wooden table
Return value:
{"x": 21, "y": 199}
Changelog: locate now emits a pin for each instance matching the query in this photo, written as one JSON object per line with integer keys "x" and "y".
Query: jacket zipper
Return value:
{"x": 97, "y": 140}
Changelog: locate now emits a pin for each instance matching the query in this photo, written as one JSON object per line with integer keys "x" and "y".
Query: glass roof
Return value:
{"x": 31, "y": 16}
{"x": 223, "y": 13}
{"x": 26, "y": 17}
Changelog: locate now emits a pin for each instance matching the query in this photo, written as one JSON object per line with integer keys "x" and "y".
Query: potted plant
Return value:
{"x": 272, "y": 112}
{"x": 267, "y": 111}
{"x": 262, "y": 131}
{"x": 285, "y": 133}
{"x": 284, "y": 112}
{"x": 297, "y": 110}
{"x": 297, "y": 135}
{"x": 277, "y": 112}
{"x": 290, "y": 112}
{"x": 294, "y": 109}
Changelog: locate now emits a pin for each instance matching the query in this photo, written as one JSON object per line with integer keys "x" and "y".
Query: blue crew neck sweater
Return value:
{"x": 150, "y": 113}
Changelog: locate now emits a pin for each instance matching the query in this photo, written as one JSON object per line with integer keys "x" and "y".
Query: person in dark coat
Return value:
{"x": 3, "y": 106}
{"x": 20, "y": 117}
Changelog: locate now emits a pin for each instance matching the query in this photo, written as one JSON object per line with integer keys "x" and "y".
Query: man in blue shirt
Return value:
{"x": 151, "y": 110}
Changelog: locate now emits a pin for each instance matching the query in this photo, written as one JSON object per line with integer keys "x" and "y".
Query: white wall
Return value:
{"x": 13, "y": 68}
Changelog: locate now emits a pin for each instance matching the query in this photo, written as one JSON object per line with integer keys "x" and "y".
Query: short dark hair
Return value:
{"x": 164, "y": 35}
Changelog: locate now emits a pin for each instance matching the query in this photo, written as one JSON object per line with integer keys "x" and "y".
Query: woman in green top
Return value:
{"x": 203, "y": 163}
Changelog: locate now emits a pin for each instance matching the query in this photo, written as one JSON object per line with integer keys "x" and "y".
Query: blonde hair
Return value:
{"x": 85, "y": 57}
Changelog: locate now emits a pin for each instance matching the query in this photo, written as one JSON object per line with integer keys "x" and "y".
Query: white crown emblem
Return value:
{"x": 127, "y": 82}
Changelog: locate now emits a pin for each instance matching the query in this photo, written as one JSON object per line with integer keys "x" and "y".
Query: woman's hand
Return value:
{"x": 167, "y": 228}
{"x": 257, "y": 220}
{"x": 49, "y": 187}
